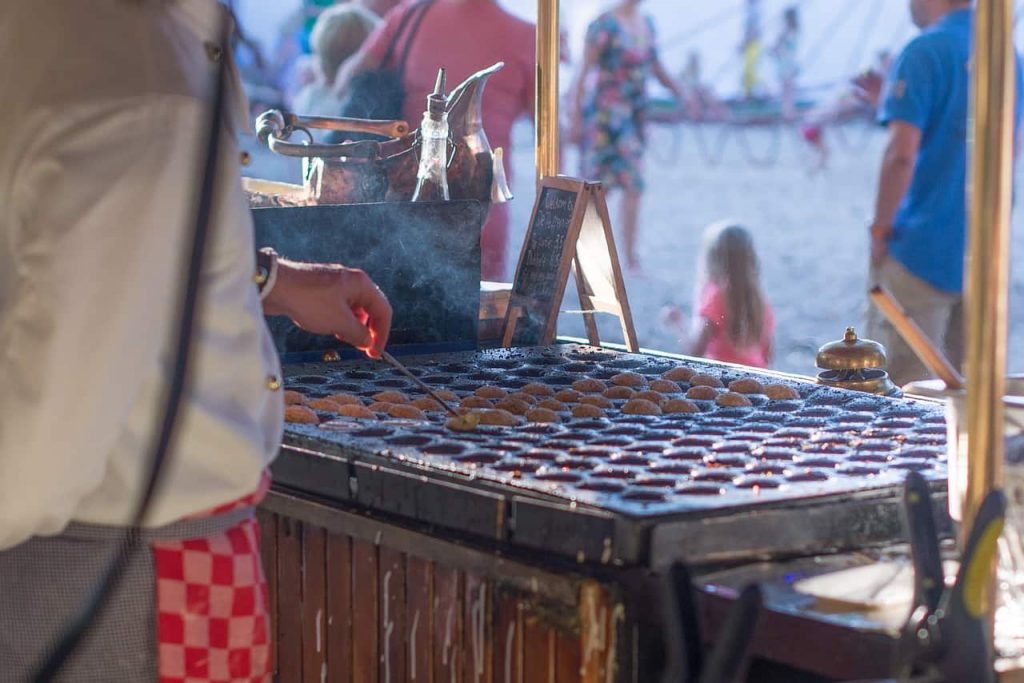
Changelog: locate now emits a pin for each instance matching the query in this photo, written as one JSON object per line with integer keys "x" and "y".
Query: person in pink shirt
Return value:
{"x": 735, "y": 324}
{"x": 463, "y": 36}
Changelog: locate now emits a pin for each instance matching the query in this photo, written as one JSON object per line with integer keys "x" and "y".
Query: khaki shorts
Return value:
{"x": 939, "y": 314}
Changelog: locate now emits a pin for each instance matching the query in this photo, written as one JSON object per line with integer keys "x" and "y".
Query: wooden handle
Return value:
{"x": 917, "y": 340}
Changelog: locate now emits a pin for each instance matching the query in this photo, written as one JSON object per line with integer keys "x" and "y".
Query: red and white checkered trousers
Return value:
{"x": 213, "y": 618}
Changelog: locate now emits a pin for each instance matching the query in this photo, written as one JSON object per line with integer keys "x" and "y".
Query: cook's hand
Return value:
{"x": 880, "y": 235}
{"x": 331, "y": 299}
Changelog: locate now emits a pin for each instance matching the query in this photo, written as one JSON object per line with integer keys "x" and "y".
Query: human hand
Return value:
{"x": 880, "y": 235}
{"x": 331, "y": 299}
{"x": 868, "y": 87}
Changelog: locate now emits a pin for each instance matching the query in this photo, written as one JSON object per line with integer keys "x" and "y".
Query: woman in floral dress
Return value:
{"x": 609, "y": 104}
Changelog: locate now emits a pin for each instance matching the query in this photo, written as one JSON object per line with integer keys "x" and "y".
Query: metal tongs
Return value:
{"x": 947, "y": 639}
{"x": 732, "y": 643}
{"x": 275, "y": 127}
{"x": 398, "y": 365}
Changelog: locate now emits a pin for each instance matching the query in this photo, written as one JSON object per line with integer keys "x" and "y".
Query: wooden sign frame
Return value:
{"x": 586, "y": 247}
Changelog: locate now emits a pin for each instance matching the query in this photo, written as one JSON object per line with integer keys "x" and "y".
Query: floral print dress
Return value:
{"x": 614, "y": 110}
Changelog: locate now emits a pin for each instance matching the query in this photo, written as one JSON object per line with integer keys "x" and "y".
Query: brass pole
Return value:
{"x": 546, "y": 104}
{"x": 986, "y": 286}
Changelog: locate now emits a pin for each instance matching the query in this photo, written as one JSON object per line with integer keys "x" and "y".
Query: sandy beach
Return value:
{"x": 809, "y": 228}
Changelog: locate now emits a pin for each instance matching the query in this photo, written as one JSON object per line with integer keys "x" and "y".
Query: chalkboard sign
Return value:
{"x": 567, "y": 214}
{"x": 543, "y": 265}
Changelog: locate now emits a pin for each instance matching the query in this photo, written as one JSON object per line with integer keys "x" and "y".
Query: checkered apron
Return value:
{"x": 213, "y": 620}
{"x": 193, "y": 609}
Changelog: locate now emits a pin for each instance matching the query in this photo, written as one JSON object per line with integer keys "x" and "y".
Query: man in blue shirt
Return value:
{"x": 919, "y": 228}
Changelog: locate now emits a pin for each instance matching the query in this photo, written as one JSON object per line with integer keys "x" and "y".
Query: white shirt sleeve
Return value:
{"x": 95, "y": 219}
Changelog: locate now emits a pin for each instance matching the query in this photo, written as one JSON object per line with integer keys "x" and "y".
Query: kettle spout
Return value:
{"x": 465, "y": 116}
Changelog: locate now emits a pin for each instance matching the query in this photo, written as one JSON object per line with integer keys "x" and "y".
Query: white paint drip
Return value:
{"x": 618, "y": 617}
{"x": 412, "y": 645}
{"x": 389, "y": 627}
{"x": 447, "y": 636}
{"x": 319, "y": 623}
{"x": 510, "y": 639}
{"x": 323, "y": 673}
{"x": 477, "y": 620}
{"x": 595, "y": 641}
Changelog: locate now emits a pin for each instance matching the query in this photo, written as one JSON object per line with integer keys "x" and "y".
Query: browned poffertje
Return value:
{"x": 568, "y": 396}
{"x": 665, "y": 386}
{"x": 781, "y": 392}
{"x": 732, "y": 399}
{"x": 652, "y": 396}
{"x": 466, "y": 422}
{"x": 515, "y": 406}
{"x": 705, "y": 380}
{"x": 589, "y": 385}
{"x": 324, "y": 404}
{"x": 679, "y": 405}
{"x": 678, "y": 374}
{"x": 629, "y": 379}
{"x": 405, "y": 411}
{"x": 587, "y": 410}
{"x": 360, "y": 411}
{"x": 596, "y": 400}
{"x": 746, "y": 385}
{"x": 491, "y": 392}
{"x": 640, "y": 406}
{"x": 293, "y": 398}
{"x": 702, "y": 393}
{"x": 618, "y": 392}
{"x": 300, "y": 415}
{"x": 542, "y": 415}
{"x": 538, "y": 389}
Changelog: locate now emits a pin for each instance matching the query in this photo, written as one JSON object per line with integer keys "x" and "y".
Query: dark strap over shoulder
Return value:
{"x": 415, "y": 15}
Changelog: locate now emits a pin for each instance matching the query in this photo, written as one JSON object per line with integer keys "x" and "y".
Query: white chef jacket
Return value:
{"x": 101, "y": 149}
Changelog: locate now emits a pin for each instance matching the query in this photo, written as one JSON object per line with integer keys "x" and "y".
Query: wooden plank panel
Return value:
{"x": 314, "y": 600}
{"x": 568, "y": 658}
{"x": 365, "y": 614}
{"x": 508, "y": 639}
{"x": 594, "y": 615}
{"x": 447, "y": 625}
{"x": 477, "y": 630}
{"x": 339, "y": 609}
{"x": 419, "y": 595}
{"x": 393, "y": 619}
{"x": 268, "y": 555}
{"x": 538, "y": 649}
{"x": 289, "y": 599}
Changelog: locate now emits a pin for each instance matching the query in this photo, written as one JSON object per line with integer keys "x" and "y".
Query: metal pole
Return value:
{"x": 546, "y": 105}
{"x": 987, "y": 281}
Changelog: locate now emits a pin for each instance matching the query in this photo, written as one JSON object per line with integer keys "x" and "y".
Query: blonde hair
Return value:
{"x": 338, "y": 34}
{"x": 730, "y": 262}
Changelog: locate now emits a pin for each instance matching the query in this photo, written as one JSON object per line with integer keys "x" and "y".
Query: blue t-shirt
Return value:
{"x": 929, "y": 88}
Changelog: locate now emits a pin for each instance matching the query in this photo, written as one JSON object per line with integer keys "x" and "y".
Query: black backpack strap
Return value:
{"x": 414, "y": 11}
{"x": 423, "y": 7}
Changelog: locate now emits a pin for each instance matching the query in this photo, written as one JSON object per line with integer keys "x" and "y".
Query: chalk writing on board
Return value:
{"x": 538, "y": 276}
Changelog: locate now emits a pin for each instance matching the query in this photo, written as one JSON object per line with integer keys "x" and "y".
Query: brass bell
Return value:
{"x": 857, "y": 364}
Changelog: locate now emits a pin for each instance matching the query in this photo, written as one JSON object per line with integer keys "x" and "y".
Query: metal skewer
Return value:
{"x": 397, "y": 365}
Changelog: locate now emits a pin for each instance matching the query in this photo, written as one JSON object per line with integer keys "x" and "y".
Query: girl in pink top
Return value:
{"x": 735, "y": 322}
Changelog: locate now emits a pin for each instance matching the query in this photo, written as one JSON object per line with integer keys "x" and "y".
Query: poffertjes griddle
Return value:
{"x": 778, "y": 477}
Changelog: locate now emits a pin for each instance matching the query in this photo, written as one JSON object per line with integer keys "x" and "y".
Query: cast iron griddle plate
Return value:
{"x": 723, "y": 459}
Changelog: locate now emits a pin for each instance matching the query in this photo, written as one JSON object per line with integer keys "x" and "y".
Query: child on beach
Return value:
{"x": 734, "y": 322}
